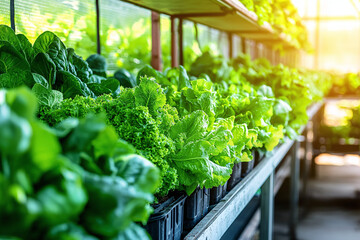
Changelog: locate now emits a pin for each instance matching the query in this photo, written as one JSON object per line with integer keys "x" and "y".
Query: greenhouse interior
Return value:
{"x": 169, "y": 120}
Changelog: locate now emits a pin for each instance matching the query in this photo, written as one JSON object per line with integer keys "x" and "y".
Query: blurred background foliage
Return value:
{"x": 125, "y": 30}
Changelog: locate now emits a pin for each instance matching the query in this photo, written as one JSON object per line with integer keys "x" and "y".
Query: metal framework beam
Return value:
{"x": 209, "y": 14}
{"x": 341, "y": 18}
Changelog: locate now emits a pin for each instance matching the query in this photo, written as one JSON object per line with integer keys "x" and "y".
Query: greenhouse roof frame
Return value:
{"x": 225, "y": 15}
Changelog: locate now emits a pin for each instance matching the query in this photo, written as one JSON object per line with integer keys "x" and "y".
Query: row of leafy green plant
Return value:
{"x": 282, "y": 16}
{"x": 76, "y": 179}
{"x": 345, "y": 85}
{"x": 70, "y": 181}
{"x": 346, "y": 127}
{"x": 192, "y": 125}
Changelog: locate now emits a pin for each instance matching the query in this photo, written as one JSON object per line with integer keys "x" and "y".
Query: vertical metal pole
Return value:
{"x": 174, "y": 44}
{"x": 317, "y": 36}
{"x": 231, "y": 45}
{"x": 294, "y": 189}
{"x": 12, "y": 14}
{"x": 256, "y": 50}
{"x": 267, "y": 209}
{"x": 272, "y": 52}
{"x": 98, "y": 43}
{"x": 307, "y": 160}
{"x": 155, "y": 41}
{"x": 181, "y": 42}
{"x": 316, "y": 141}
{"x": 243, "y": 45}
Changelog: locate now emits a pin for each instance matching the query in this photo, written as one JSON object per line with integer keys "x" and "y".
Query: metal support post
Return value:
{"x": 155, "y": 41}
{"x": 267, "y": 208}
{"x": 294, "y": 191}
{"x": 231, "y": 47}
{"x": 181, "y": 42}
{"x": 174, "y": 44}
{"x": 12, "y": 14}
{"x": 316, "y": 141}
{"x": 307, "y": 160}
{"x": 243, "y": 45}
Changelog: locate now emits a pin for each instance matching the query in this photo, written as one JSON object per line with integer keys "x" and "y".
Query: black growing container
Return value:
{"x": 246, "y": 167}
{"x": 259, "y": 155}
{"x": 217, "y": 193}
{"x": 224, "y": 189}
{"x": 235, "y": 176}
{"x": 166, "y": 223}
{"x": 196, "y": 207}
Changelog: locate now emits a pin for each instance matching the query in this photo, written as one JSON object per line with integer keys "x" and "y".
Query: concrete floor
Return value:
{"x": 332, "y": 211}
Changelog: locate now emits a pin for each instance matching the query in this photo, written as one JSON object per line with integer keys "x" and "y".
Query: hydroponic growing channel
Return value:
{"x": 144, "y": 132}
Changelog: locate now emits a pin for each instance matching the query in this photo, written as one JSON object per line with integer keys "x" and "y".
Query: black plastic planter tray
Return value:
{"x": 217, "y": 193}
{"x": 196, "y": 207}
{"x": 246, "y": 167}
{"x": 166, "y": 223}
{"x": 235, "y": 176}
{"x": 258, "y": 156}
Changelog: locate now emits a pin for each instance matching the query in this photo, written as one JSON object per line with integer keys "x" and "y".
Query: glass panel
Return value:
{"x": 5, "y": 12}
{"x": 125, "y": 35}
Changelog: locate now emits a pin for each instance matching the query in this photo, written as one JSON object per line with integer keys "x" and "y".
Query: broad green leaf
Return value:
{"x": 44, "y": 147}
{"x": 106, "y": 143}
{"x": 98, "y": 64}
{"x": 132, "y": 232}
{"x": 195, "y": 167}
{"x": 281, "y": 111}
{"x": 183, "y": 78}
{"x": 22, "y": 102}
{"x": 16, "y": 78}
{"x": 138, "y": 172}
{"x": 63, "y": 199}
{"x": 83, "y": 71}
{"x": 40, "y": 80}
{"x": 109, "y": 196}
{"x": 265, "y": 91}
{"x": 192, "y": 127}
{"x": 11, "y": 59}
{"x": 8, "y": 35}
{"x": 150, "y": 94}
{"x": 26, "y": 46}
{"x": 68, "y": 231}
{"x": 15, "y": 133}
{"x": 71, "y": 85}
{"x": 44, "y": 65}
{"x": 241, "y": 138}
{"x": 46, "y": 96}
{"x": 49, "y": 43}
